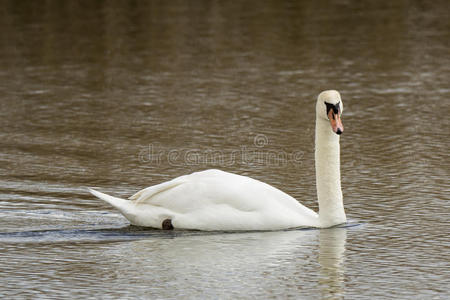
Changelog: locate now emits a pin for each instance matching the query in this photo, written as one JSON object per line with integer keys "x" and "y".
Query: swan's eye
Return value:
{"x": 334, "y": 107}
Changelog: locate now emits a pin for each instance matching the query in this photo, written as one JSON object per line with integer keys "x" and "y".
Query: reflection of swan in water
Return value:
{"x": 232, "y": 265}
{"x": 331, "y": 260}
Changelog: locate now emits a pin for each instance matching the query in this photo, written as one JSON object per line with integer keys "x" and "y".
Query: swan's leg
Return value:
{"x": 167, "y": 224}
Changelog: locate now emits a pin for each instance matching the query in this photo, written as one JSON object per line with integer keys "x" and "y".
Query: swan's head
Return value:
{"x": 329, "y": 107}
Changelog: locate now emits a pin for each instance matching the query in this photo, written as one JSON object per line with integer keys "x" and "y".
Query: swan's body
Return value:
{"x": 214, "y": 200}
{"x": 217, "y": 200}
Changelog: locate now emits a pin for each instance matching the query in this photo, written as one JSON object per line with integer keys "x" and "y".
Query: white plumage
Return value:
{"x": 217, "y": 200}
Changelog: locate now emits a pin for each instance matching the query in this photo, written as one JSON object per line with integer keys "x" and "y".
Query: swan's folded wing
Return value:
{"x": 146, "y": 194}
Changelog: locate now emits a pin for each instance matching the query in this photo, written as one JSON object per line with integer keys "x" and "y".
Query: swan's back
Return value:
{"x": 217, "y": 200}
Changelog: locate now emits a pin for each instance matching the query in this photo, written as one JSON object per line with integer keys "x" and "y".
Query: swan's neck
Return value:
{"x": 328, "y": 175}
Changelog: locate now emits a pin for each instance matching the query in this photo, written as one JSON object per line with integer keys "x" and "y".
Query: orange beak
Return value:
{"x": 335, "y": 121}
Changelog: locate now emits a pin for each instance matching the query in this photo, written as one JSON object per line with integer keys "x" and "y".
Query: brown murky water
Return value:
{"x": 122, "y": 95}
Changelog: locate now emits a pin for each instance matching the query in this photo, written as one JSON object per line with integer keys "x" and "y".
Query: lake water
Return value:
{"x": 122, "y": 95}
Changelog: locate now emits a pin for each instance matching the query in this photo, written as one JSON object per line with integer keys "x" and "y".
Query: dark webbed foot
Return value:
{"x": 167, "y": 224}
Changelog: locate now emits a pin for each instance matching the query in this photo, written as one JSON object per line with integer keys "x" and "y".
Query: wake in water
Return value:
{"x": 93, "y": 227}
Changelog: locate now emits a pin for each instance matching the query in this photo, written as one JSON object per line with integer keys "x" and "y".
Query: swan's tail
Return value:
{"x": 124, "y": 206}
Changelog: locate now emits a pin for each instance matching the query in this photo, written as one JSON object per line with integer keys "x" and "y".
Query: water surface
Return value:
{"x": 122, "y": 95}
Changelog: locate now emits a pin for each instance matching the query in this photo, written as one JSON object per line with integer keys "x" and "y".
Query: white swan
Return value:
{"x": 217, "y": 200}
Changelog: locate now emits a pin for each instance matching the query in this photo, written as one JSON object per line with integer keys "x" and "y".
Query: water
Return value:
{"x": 122, "y": 95}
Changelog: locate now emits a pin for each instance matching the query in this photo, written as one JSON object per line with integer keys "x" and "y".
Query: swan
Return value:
{"x": 216, "y": 200}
